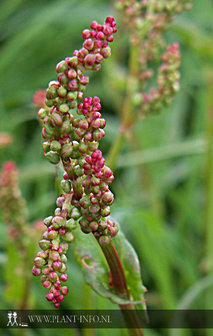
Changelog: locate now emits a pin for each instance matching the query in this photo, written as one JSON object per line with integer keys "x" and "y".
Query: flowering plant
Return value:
{"x": 72, "y": 127}
{"x": 21, "y": 235}
{"x": 86, "y": 195}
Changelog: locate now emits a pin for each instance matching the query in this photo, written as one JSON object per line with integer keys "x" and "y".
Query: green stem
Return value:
{"x": 116, "y": 149}
{"x": 128, "y": 116}
{"x": 119, "y": 283}
{"x": 128, "y": 107}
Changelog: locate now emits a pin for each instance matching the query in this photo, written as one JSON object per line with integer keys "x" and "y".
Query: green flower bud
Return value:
{"x": 78, "y": 170}
{"x": 44, "y": 244}
{"x": 53, "y": 83}
{"x": 62, "y": 92}
{"x": 55, "y": 242}
{"x": 105, "y": 212}
{"x": 86, "y": 229}
{"x": 96, "y": 190}
{"x": 75, "y": 154}
{"x": 64, "y": 108}
{"x": 75, "y": 214}
{"x": 65, "y": 128}
{"x": 48, "y": 220}
{"x": 53, "y": 157}
{"x": 94, "y": 208}
{"x": 58, "y": 221}
{"x": 56, "y": 120}
{"x": 82, "y": 87}
{"x": 62, "y": 78}
{"x": 39, "y": 262}
{"x": 106, "y": 52}
{"x": 83, "y": 147}
{"x": 68, "y": 237}
{"x": 98, "y": 134}
{"x": 72, "y": 74}
{"x": 57, "y": 211}
{"x": 63, "y": 259}
{"x": 53, "y": 276}
{"x": 61, "y": 67}
{"x": 105, "y": 232}
{"x": 89, "y": 60}
{"x": 81, "y": 161}
{"x": 72, "y": 95}
{"x": 73, "y": 104}
{"x": 46, "y": 146}
{"x": 63, "y": 268}
{"x": 51, "y": 93}
{"x": 59, "y": 101}
{"x": 49, "y": 102}
{"x": 42, "y": 113}
{"x": 85, "y": 202}
{"x": 55, "y": 146}
{"x": 73, "y": 62}
{"x": 92, "y": 146}
{"x": 49, "y": 130}
{"x": 108, "y": 197}
{"x": 42, "y": 254}
{"x": 75, "y": 145}
{"x": 93, "y": 226}
{"x": 102, "y": 225}
{"x": 64, "y": 246}
{"x": 54, "y": 255}
{"x": 66, "y": 150}
{"x": 52, "y": 234}
{"x": 71, "y": 224}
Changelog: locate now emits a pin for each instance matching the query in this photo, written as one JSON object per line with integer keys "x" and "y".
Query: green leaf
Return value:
{"x": 96, "y": 272}
{"x": 58, "y": 179}
{"x": 131, "y": 267}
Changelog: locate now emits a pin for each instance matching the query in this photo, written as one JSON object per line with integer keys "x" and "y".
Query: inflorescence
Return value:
{"x": 13, "y": 205}
{"x": 147, "y": 22}
{"x": 71, "y": 132}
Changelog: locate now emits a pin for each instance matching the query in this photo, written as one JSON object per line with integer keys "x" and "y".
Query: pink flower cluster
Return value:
{"x": 50, "y": 264}
{"x": 167, "y": 80}
{"x": 95, "y": 46}
{"x": 147, "y": 21}
{"x": 12, "y": 203}
{"x": 73, "y": 141}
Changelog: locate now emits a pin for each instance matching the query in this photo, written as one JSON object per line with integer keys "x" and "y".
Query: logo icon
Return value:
{"x": 12, "y": 319}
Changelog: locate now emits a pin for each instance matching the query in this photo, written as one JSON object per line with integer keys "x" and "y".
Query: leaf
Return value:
{"x": 58, "y": 178}
{"x": 96, "y": 272}
{"x": 131, "y": 267}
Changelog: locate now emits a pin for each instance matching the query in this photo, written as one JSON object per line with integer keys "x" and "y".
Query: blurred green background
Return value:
{"x": 164, "y": 177}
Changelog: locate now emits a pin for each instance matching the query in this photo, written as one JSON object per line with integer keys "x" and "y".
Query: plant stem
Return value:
{"x": 119, "y": 283}
{"x": 128, "y": 107}
{"x": 128, "y": 115}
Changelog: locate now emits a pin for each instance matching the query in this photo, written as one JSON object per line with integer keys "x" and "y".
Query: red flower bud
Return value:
{"x": 86, "y": 34}
{"x": 49, "y": 296}
{"x": 89, "y": 59}
{"x": 64, "y": 277}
